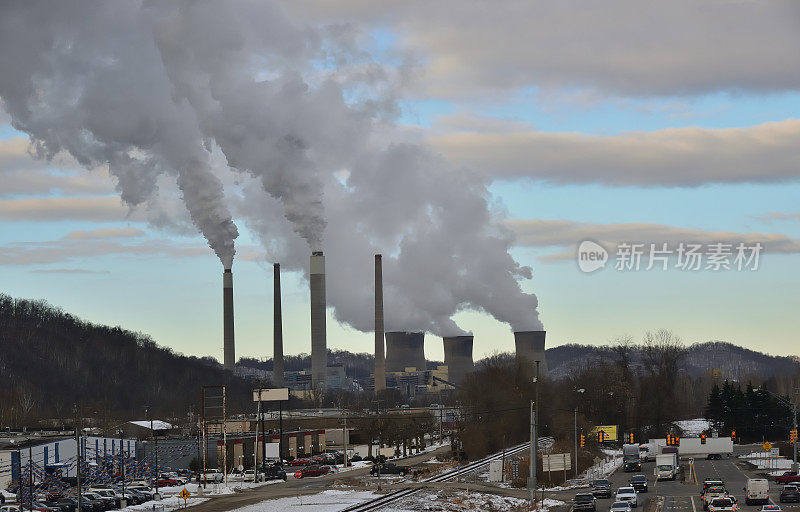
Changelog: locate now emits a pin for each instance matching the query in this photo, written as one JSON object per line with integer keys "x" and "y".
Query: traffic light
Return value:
{"x": 702, "y": 439}
{"x": 669, "y": 440}
{"x": 583, "y": 440}
{"x": 601, "y": 436}
{"x": 676, "y": 440}
{"x": 733, "y": 436}
{"x": 793, "y": 436}
{"x": 630, "y": 437}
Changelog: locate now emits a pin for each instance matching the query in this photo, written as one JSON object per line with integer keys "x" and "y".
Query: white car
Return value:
{"x": 723, "y": 505}
{"x": 213, "y": 477}
{"x": 249, "y": 475}
{"x": 10, "y": 508}
{"x": 627, "y": 494}
{"x": 620, "y": 506}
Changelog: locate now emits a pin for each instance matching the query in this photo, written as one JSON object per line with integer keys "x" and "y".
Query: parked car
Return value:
{"x": 145, "y": 492}
{"x": 722, "y": 505}
{"x": 10, "y": 508}
{"x": 312, "y": 470}
{"x": 788, "y": 477}
{"x": 275, "y": 472}
{"x": 627, "y": 494}
{"x": 249, "y": 475}
{"x": 103, "y": 502}
{"x": 584, "y": 501}
{"x": 213, "y": 477}
{"x": 620, "y": 506}
{"x": 168, "y": 482}
{"x": 771, "y": 508}
{"x": 298, "y": 462}
{"x": 639, "y": 483}
{"x": 790, "y": 493}
{"x": 601, "y": 488}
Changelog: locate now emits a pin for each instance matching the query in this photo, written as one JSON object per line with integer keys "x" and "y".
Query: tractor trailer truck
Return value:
{"x": 630, "y": 458}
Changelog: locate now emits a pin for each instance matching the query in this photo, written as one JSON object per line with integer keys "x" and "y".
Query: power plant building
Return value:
{"x": 319, "y": 346}
{"x": 458, "y": 357}
{"x": 530, "y": 347}
{"x": 405, "y": 350}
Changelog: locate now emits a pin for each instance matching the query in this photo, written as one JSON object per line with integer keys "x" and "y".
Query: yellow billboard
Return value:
{"x": 609, "y": 430}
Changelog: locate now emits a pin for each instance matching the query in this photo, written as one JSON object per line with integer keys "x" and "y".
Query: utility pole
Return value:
{"x": 344, "y": 440}
{"x": 123, "y": 502}
{"x": 255, "y": 445}
{"x": 30, "y": 475}
{"x": 78, "y": 470}
{"x": 794, "y": 464}
{"x": 532, "y": 469}
{"x": 576, "y": 441}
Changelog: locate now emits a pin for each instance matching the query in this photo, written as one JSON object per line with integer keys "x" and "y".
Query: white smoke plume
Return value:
{"x": 300, "y": 112}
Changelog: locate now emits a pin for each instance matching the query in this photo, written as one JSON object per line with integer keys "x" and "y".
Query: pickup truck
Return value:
{"x": 712, "y": 493}
{"x": 389, "y": 468}
{"x": 584, "y": 501}
{"x": 788, "y": 477}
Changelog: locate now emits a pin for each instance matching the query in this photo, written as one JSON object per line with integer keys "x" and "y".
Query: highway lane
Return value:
{"x": 680, "y": 496}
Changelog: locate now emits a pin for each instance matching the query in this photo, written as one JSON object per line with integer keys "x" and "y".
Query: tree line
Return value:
{"x": 755, "y": 414}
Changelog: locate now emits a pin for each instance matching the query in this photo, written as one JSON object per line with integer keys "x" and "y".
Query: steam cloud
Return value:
{"x": 302, "y": 115}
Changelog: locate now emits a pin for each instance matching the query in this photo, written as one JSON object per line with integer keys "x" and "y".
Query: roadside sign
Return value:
{"x": 767, "y": 446}
{"x": 270, "y": 395}
{"x": 185, "y": 494}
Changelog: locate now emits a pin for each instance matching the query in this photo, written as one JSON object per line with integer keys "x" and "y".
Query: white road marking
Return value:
{"x": 691, "y": 498}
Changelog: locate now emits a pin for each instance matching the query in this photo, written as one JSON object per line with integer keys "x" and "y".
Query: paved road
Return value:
{"x": 682, "y": 496}
{"x": 295, "y": 487}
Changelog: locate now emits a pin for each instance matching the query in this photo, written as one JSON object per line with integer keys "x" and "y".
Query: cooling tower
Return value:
{"x": 277, "y": 329}
{"x": 380, "y": 357}
{"x": 229, "y": 351}
{"x": 530, "y": 346}
{"x": 458, "y": 357}
{"x": 319, "y": 348}
{"x": 405, "y": 349}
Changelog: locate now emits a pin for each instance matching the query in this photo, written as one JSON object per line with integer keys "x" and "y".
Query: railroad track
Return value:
{"x": 382, "y": 501}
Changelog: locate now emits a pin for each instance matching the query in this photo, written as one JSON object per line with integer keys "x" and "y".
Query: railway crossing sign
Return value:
{"x": 767, "y": 446}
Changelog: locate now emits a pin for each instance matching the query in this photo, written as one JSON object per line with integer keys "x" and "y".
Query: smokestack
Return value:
{"x": 380, "y": 358}
{"x": 405, "y": 349}
{"x": 277, "y": 328}
{"x": 319, "y": 348}
{"x": 229, "y": 351}
{"x": 458, "y": 357}
{"x": 530, "y": 346}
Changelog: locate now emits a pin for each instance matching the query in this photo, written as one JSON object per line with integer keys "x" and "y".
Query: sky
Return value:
{"x": 475, "y": 146}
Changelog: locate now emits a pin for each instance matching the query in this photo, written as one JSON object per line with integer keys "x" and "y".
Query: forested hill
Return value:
{"x": 733, "y": 362}
{"x": 50, "y": 360}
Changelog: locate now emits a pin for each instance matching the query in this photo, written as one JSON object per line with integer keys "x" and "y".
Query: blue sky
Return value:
{"x": 163, "y": 282}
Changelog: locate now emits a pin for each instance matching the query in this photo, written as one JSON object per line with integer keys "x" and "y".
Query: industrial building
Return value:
{"x": 458, "y": 357}
{"x": 530, "y": 348}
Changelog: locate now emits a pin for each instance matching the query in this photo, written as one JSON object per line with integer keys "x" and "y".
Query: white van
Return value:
{"x": 756, "y": 491}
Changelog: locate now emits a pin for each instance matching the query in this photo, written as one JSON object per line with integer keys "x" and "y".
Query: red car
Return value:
{"x": 788, "y": 477}
{"x": 313, "y": 470}
{"x": 167, "y": 482}
{"x": 298, "y": 462}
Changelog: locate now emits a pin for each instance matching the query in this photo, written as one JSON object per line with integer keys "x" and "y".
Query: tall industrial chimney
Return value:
{"x": 229, "y": 351}
{"x": 404, "y": 350}
{"x": 319, "y": 348}
{"x": 458, "y": 357}
{"x": 530, "y": 346}
{"x": 380, "y": 358}
{"x": 277, "y": 328}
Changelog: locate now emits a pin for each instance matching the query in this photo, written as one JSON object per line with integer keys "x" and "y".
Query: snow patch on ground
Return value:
{"x": 693, "y": 428}
{"x": 326, "y": 501}
{"x": 460, "y": 501}
{"x": 171, "y": 503}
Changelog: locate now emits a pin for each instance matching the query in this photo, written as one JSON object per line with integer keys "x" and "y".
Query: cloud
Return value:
{"x": 628, "y": 47}
{"x": 568, "y": 233}
{"x": 99, "y": 209}
{"x": 22, "y": 174}
{"x": 64, "y": 250}
{"x": 681, "y": 157}
{"x": 767, "y": 217}
{"x": 97, "y": 234}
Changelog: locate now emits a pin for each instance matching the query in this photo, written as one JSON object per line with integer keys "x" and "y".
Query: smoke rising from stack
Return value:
{"x": 149, "y": 89}
{"x": 277, "y": 328}
{"x": 229, "y": 349}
